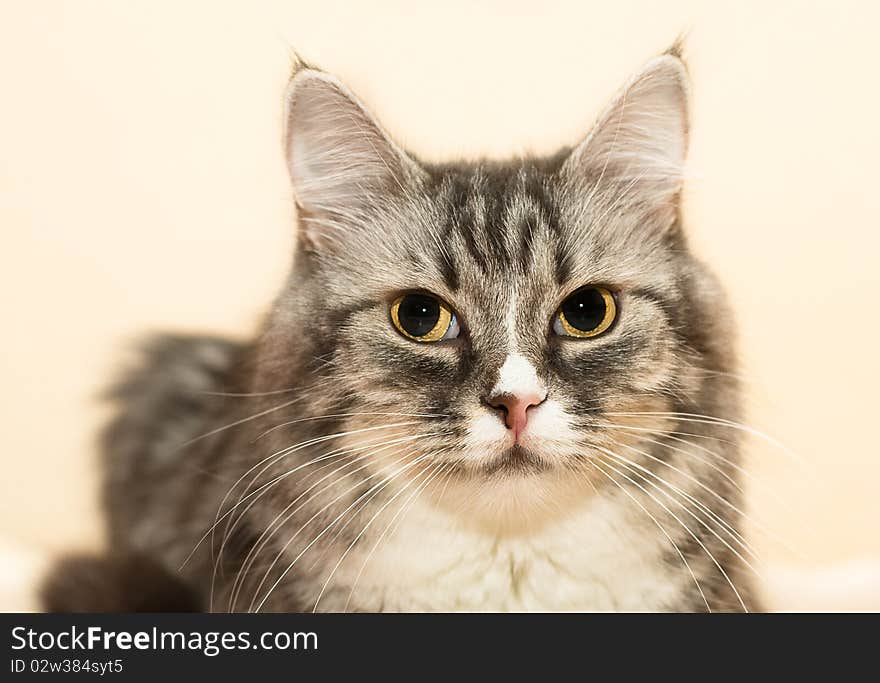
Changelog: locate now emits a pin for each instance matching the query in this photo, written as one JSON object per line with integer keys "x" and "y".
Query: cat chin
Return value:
{"x": 507, "y": 458}
{"x": 514, "y": 499}
{"x": 517, "y": 460}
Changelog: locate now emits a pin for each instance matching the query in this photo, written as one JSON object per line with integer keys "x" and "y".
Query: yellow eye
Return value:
{"x": 423, "y": 318}
{"x": 586, "y": 313}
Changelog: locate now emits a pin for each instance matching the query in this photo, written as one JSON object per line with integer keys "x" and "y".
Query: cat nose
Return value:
{"x": 515, "y": 408}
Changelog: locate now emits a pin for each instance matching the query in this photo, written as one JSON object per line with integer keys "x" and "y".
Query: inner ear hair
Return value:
{"x": 339, "y": 157}
{"x": 637, "y": 148}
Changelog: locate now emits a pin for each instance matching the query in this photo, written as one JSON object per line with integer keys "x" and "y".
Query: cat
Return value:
{"x": 485, "y": 386}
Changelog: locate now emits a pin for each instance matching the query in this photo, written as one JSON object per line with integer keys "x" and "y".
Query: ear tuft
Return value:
{"x": 677, "y": 49}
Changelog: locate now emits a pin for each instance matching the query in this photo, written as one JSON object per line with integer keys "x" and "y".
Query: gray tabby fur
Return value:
{"x": 616, "y": 508}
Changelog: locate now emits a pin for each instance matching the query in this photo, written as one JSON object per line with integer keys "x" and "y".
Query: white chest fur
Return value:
{"x": 596, "y": 558}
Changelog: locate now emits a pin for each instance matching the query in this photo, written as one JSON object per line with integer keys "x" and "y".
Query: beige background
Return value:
{"x": 142, "y": 187}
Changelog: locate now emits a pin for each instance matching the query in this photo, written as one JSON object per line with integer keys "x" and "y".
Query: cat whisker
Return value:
{"x": 449, "y": 472}
{"x": 715, "y": 455}
{"x": 696, "y": 481}
{"x": 686, "y": 528}
{"x": 236, "y": 423}
{"x": 343, "y": 415}
{"x": 758, "y": 525}
{"x": 263, "y": 489}
{"x": 643, "y": 473}
{"x": 263, "y": 539}
{"x": 247, "y": 394}
{"x": 266, "y": 535}
{"x": 689, "y": 435}
{"x": 727, "y": 461}
{"x": 287, "y": 513}
{"x": 730, "y": 480}
{"x": 279, "y": 454}
{"x": 663, "y": 530}
{"x": 383, "y": 483}
{"x": 711, "y": 420}
{"x": 433, "y": 468}
{"x": 256, "y": 494}
{"x": 341, "y": 528}
{"x": 738, "y": 376}
{"x": 284, "y": 452}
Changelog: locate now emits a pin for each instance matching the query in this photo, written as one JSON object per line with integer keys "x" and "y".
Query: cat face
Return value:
{"x": 505, "y": 319}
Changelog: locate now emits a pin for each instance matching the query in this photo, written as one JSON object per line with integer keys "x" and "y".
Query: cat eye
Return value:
{"x": 424, "y": 318}
{"x": 588, "y": 312}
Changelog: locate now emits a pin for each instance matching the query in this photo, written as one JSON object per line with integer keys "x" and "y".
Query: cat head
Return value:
{"x": 506, "y": 319}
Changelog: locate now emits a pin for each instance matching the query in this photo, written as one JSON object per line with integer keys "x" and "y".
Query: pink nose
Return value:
{"x": 515, "y": 408}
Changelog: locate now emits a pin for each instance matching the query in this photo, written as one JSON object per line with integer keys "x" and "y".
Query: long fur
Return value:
{"x": 330, "y": 463}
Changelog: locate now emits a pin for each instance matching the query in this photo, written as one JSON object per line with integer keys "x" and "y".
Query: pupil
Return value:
{"x": 585, "y": 310}
{"x": 418, "y": 314}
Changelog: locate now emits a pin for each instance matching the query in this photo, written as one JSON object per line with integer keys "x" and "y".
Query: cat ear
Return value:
{"x": 635, "y": 154}
{"x": 340, "y": 160}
